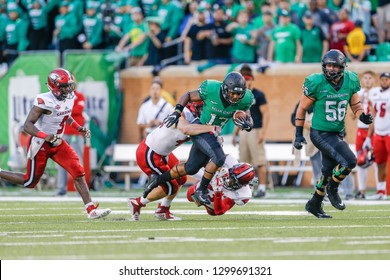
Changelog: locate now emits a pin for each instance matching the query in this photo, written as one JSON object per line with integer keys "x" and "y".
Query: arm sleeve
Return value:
{"x": 222, "y": 205}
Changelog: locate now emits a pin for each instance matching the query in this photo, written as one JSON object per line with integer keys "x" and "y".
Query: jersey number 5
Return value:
{"x": 335, "y": 111}
{"x": 62, "y": 124}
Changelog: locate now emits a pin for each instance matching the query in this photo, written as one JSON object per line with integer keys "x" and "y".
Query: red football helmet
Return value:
{"x": 61, "y": 83}
{"x": 195, "y": 108}
{"x": 241, "y": 174}
{"x": 365, "y": 158}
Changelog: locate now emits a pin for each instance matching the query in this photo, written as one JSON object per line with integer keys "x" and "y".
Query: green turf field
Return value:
{"x": 38, "y": 226}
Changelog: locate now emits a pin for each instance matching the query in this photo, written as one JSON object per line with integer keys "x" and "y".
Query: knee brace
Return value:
{"x": 340, "y": 172}
{"x": 321, "y": 183}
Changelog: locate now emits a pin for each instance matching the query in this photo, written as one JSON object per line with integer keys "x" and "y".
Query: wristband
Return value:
{"x": 41, "y": 134}
{"x": 299, "y": 130}
{"x": 75, "y": 125}
{"x": 179, "y": 108}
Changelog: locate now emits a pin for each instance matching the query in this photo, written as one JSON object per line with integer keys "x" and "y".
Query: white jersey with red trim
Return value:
{"x": 364, "y": 100}
{"x": 240, "y": 196}
{"x": 163, "y": 140}
{"x": 380, "y": 100}
{"x": 53, "y": 123}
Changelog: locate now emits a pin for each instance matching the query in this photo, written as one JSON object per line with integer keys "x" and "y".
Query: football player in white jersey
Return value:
{"x": 379, "y": 131}
{"x": 231, "y": 185}
{"x": 45, "y": 123}
{"x": 367, "y": 82}
{"x": 154, "y": 156}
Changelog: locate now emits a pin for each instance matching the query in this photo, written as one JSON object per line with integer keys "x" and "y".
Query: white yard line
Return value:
{"x": 210, "y": 255}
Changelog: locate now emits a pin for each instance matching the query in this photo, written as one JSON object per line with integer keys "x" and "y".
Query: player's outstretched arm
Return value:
{"x": 195, "y": 129}
{"x": 222, "y": 205}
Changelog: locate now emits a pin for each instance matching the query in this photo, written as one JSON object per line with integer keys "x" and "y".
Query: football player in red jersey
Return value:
{"x": 154, "y": 156}
{"x": 45, "y": 123}
{"x": 231, "y": 185}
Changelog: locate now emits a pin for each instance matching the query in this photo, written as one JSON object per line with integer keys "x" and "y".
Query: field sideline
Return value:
{"x": 43, "y": 227}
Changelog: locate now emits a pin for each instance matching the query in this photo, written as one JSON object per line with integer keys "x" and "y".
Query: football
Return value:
{"x": 239, "y": 114}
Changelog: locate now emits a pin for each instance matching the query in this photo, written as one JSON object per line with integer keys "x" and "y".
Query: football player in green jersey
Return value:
{"x": 221, "y": 100}
{"x": 329, "y": 93}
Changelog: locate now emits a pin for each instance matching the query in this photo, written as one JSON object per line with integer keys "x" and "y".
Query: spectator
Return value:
{"x": 115, "y": 24}
{"x": 340, "y": 30}
{"x": 171, "y": 14}
{"x": 219, "y": 41}
{"x": 251, "y": 144}
{"x": 379, "y": 132}
{"x": 66, "y": 29}
{"x": 38, "y": 31}
{"x": 153, "y": 111}
{"x": 149, "y": 7}
{"x": 284, "y": 5}
{"x": 360, "y": 10}
{"x": 189, "y": 19}
{"x": 323, "y": 16}
{"x": 285, "y": 45}
{"x": 232, "y": 9}
{"x": 93, "y": 29}
{"x": 356, "y": 48}
{"x": 244, "y": 40}
{"x": 314, "y": 42}
{"x": 264, "y": 36}
{"x": 195, "y": 43}
{"x": 73, "y": 138}
{"x": 250, "y": 8}
{"x": 383, "y": 19}
{"x": 156, "y": 37}
{"x": 136, "y": 40}
{"x": 16, "y": 35}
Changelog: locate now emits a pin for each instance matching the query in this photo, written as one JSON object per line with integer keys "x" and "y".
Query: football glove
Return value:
{"x": 299, "y": 139}
{"x": 84, "y": 131}
{"x": 367, "y": 119}
{"x": 174, "y": 117}
{"x": 244, "y": 124}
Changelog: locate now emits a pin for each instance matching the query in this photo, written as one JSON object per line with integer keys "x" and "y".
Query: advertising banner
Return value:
{"x": 95, "y": 79}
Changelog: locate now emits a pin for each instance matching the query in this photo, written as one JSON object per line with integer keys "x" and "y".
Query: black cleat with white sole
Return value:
{"x": 334, "y": 197}
{"x": 200, "y": 197}
{"x": 316, "y": 209}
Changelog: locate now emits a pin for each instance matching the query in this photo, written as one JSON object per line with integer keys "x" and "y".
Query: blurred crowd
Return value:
{"x": 210, "y": 31}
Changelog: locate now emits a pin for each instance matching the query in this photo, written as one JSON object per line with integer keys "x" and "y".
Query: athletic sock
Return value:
{"x": 204, "y": 183}
{"x": 166, "y": 202}
{"x": 144, "y": 201}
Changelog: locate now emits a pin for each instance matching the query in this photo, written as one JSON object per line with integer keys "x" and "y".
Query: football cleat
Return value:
{"x": 259, "y": 194}
{"x": 151, "y": 185}
{"x": 360, "y": 195}
{"x": 96, "y": 213}
{"x": 378, "y": 196}
{"x": 316, "y": 208}
{"x": 334, "y": 198}
{"x": 162, "y": 213}
{"x": 135, "y": 206}
{"x": 200, "y": 197}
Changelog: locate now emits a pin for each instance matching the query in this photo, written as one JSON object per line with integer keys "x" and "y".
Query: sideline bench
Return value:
{"x": 280, "y": 159}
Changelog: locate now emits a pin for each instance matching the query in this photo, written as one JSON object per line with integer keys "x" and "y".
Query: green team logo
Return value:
{"x": 335, "y": 111}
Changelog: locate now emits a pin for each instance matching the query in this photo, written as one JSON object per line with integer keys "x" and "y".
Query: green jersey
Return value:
{"x": 214, "y": 111}
{"x": 330, "y": 105}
